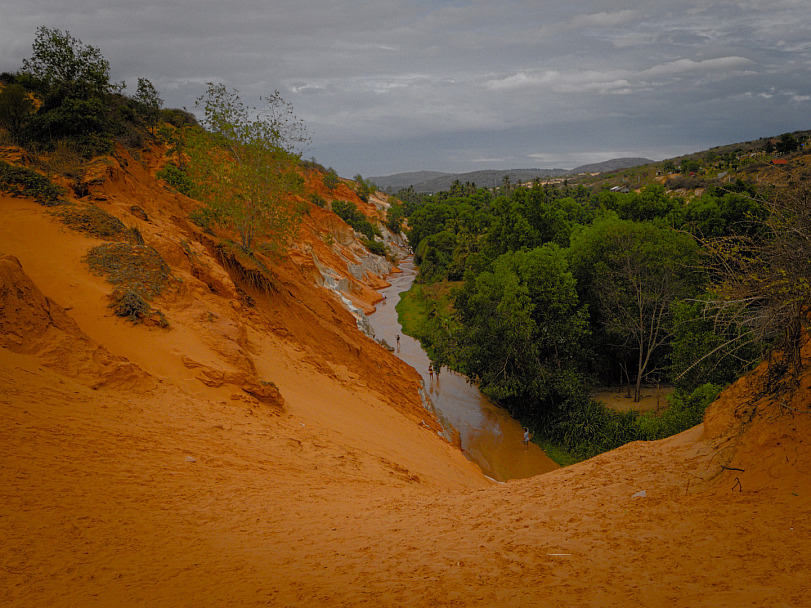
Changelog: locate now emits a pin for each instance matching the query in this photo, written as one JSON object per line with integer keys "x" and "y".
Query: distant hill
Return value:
{"x": 433, "y": 181}
{"x": 611, "y": 165}
{"x": 401, "y": 181}
{"x": 443, "y": 181}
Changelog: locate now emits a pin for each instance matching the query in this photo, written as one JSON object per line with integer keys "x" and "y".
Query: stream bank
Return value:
{"x": 489, "y": 436}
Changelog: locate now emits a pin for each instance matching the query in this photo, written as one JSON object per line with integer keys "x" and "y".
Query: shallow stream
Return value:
{"x": 490, "y": 437}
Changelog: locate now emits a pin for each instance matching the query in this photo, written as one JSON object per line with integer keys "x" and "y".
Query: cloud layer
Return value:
{"x": 458, "y": 85}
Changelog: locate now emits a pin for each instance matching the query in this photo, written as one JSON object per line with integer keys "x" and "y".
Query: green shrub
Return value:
{"x": 84, "y": 122}
{"x": 317, "y": 199}
{"x": 350, "y": 213}
{"x": 331, "y": 179}
{"x": 178, "y": 118}
{"x": 376, "y": 247}
{"x": 684, "y": 411}
{"x": 21, "y": 181}
{"x": 177, "y": 178}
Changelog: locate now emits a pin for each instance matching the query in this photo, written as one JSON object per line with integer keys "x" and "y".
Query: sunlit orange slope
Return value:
{"x": 264, "y": 451}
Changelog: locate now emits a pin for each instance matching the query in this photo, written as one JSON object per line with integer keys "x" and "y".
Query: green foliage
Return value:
{"x": 21, "y": 181}
{"x": 363, "y": 188}
{"x": 766, "y": 281}
{"x": 243, "y": 166}
{"x": 628, "y": 311}
{"x": 631, "y": 273}
{"x": 331, "y": 179}
{"x": 395, "y": 216}
{"x": 149, "y": 102}
{"x": 178, "y": 118}
{"x": 82, "y": 121}
{"x": 16, "y": 108}
{"x": 66, "y": 67}
{"x": 521, "y": 329}
{"x": 684, "y": 410}
{"x": 586, "y": 427}
{"x": 653, "y": 202}
{"x": 317, "y": 199}
{"x": 349, "y": 212}
{"x": 375, "y": 247}
{"x": 689, "y": 165}
{"x": 720, "y": 213}
{"x": 177, "y": 177}
{"x": 787, "y": 144}
{"x": 710, "y": 345}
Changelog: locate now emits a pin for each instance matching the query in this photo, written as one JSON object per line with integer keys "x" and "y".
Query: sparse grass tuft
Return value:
{"x": 97, "y": 222}
{"x": 139, "y": 274}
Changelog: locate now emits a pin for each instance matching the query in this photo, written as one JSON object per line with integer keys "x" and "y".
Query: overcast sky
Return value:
{"x": 386, "y": 86}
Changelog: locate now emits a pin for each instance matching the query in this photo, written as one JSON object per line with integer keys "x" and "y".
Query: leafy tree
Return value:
{"x": 331, "y": 179}
{"x": 689, "y": 165}
{"x": 363, "y": 187}
{"x": 16, "y": 107}
{"x": 709, "y": 345}
{"x": 79, "y": 104}
{"x": 150, "y": 102}
{"x": 66, "y": 66}
{"x": 395, "y": 216}
{"x": 634, "y": 272}
{"x": 731, "y": 213}
{"x": 427, "y": 220}
{"x": 522, "y": 328}
{"x": 764, "y": 282}
{"x": 787, "y": 144}
{"x": 243, "y": 166}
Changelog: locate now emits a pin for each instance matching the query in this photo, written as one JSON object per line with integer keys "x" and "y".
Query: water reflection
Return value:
{"x": 488, "y": 435}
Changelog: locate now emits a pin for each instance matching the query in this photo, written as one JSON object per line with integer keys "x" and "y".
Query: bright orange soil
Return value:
{"x": 135, "y": 470}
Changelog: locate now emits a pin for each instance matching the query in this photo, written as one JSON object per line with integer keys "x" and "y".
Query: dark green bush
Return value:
{"x": 317, "y": 199}
{"x": 178, "y": 118}
{"x": 21, "y": 181}
{"x": 177, "y": 178}
{"x": 349, "y": 213}
{"x": 376, "y": 247}
{"x": 684, "y": 411}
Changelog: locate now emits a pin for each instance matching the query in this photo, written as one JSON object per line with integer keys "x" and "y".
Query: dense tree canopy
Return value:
{"x": 559, "y": 288}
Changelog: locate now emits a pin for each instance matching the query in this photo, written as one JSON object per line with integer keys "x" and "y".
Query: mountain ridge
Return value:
{"x": 436, "y": 181}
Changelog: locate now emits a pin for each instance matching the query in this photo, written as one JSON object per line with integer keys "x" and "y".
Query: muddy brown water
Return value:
{"x": 489, "y": 436}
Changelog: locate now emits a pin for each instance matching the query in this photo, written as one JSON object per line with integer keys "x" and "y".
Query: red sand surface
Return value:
{"x": 148, "y": 467}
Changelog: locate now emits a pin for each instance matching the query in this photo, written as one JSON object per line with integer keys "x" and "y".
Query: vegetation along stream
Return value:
{"x": 489, "y": 436}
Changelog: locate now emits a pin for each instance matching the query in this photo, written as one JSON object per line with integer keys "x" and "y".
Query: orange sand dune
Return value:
{"x": 145, "y": 467}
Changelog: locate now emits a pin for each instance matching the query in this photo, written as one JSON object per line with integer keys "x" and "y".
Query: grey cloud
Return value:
{"x": 403, "y": 85}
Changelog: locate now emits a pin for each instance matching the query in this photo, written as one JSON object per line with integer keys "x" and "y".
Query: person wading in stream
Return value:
{"x": 431, "y": 371}
{"x": 527, "y": 437}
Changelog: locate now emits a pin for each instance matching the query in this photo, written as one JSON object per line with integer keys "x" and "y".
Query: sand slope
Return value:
{"x": 147, "y": 467}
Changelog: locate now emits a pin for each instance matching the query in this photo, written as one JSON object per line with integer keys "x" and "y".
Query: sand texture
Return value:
{"x": 262, "y": 451}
